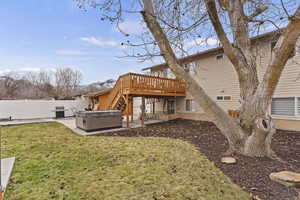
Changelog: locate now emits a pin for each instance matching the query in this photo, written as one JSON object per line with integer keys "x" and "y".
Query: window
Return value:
{"x": 189, "y": 105}
{"x": 227, "y": 98}
{"x": 224, "y": 98}
{"x": 186, "y": 68}
{"x": 190, "y": 67}
{"x": 220, "y": 56}
{"x": 283, "y": 106}
{"x": 171, "y": 107}
{"x": 220, "y": 98}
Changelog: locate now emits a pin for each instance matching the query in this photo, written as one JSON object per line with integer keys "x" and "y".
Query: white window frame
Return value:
{"x": 223, "y": 98}
{"x": 287, "y": 117}
{"x": 190, "y": 67}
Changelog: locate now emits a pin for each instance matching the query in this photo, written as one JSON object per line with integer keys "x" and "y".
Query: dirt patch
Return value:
{"x": 252, "y": 174}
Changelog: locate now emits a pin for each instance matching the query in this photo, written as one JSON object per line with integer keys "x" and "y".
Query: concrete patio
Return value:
{"x": 25, "y": 121}
{"x": 70, "y": 123}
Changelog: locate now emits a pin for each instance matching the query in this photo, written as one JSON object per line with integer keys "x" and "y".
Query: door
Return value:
{"x": 171, "y": 107}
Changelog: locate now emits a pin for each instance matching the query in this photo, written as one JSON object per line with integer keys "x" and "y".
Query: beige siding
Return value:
{"x": 286, "y": 124}
{"x": 218, "y": 78}
{"x": 289, "y": 83}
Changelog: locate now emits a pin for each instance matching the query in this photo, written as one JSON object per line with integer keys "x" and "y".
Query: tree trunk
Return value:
{"x": 251, "y": 134}
{"x": 224, "y": 122}
{"x": 259, "y": 142}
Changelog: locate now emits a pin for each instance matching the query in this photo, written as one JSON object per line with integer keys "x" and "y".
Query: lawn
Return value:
{"x": 54, "y": 163}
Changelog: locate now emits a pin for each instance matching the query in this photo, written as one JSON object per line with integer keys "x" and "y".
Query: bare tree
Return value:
{"x": 234, "y": 22}
{"x": 41, "y": 82}
{"x": 9, "y": 85}
{"x": 67, "y": 81}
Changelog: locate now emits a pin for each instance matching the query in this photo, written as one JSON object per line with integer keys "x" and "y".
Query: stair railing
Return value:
{"x": 141, "y": 82}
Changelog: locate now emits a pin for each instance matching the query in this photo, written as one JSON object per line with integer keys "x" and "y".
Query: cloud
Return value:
{"x": 99, "y": 42}
{"x": 202, "y": 42}
{"x": 25, "y": 70}
{"x": 131, "y": 27}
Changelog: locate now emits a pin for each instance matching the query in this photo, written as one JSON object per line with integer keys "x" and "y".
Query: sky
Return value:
{"x": 49, "y": 34}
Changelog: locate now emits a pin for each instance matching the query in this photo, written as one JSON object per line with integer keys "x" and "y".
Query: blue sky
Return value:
{"x": 50, "y": 34}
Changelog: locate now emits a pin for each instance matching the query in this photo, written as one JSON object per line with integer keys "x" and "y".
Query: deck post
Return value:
{"x": 131, "y": 107}
{"x": 127, "y": 111}
{"x": 153, "y": 108}
{"x": 143, "y": 112}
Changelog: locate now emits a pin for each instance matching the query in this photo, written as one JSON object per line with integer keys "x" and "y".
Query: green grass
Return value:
{"x": 54, "y": 163}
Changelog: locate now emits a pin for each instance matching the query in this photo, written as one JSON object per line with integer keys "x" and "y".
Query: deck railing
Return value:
{"x": 152, "y": 83}
{"x": 133, "y": 83}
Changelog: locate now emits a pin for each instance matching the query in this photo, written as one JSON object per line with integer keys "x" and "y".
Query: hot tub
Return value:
{"x": 98, "y": 120}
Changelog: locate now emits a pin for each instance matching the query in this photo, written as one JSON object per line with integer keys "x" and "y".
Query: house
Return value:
{"x": 217, "y": 76}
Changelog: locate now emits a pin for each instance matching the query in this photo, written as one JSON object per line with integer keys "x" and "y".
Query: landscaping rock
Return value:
{"x": 228, "y": 160}
{"x": 254, "y": 197}
{"x": 288, "y": 178}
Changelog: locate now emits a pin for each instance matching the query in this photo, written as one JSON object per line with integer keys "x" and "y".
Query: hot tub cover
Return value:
{"x": 99, "y": 113}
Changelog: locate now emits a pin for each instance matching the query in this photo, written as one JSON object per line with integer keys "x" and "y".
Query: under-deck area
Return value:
{"x": 132, "y": 85}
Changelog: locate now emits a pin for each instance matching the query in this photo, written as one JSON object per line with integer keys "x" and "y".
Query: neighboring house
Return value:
{"x": 217, "y": 76}
{"x": 92, "y": 98}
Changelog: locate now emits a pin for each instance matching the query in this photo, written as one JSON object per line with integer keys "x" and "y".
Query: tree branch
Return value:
{"x": 240, "y": 55}
{"x": 280, "y": 55}
{"x": 285, "y": 10}
{"x": 228, "y": 126}
{"x": 213, "y": 15}
{"x": 257, "y": 12}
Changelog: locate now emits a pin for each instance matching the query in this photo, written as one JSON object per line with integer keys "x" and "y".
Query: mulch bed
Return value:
{"x": 252, "y": 174}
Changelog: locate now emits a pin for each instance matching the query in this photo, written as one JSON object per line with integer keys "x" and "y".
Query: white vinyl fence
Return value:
{"x": 33, "y": 109}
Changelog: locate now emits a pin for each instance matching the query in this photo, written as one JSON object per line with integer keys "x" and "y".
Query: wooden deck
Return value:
{"x": 146, "y": 85}
{"x": 138, "y": 85}
{"x": 135, "y": 85}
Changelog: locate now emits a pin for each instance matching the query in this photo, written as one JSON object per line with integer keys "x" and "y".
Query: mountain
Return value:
{"x": 96, "y": 86}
